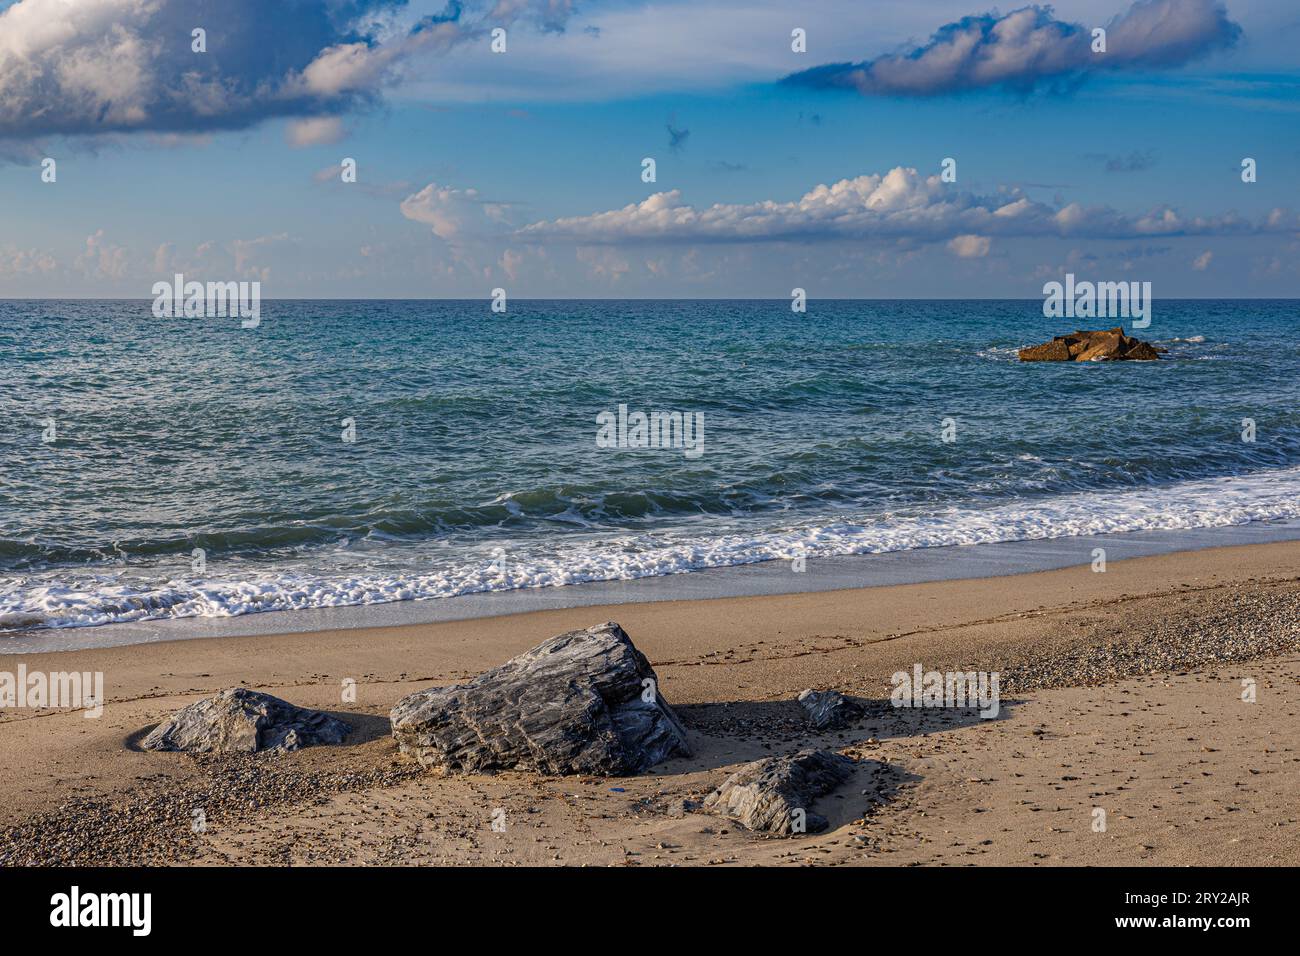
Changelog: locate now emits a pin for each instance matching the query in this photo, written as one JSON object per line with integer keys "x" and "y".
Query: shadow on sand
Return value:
{"x": 737, "y": 731}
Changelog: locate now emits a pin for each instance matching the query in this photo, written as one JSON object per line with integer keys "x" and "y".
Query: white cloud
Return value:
{"x": 650, "y": 46}
{"x": 1202, "y": 262}
{"x": 603, "y": 263}
{"x": 315, "y": 131}
{"x": 509, "y": 263}
{"x": 1030, "y": 45}
{"x": 15, "y": 261}
{"x": 454, "y": 214}
{"x": 162, "y": 257}
{"x": 120, "y": 66}
{"x": 900, "y": 204}
{"x": 360, "y": 67}
{"x": 969, "y": 247}
{"x": 102, "y": 259}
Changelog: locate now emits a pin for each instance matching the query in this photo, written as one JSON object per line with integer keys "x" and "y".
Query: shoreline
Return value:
{"x": 766, "y": 578}
{"x": 1120, "y": 689}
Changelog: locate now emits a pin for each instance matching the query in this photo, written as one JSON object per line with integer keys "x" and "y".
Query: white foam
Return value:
{"x": 1221, "y": 502}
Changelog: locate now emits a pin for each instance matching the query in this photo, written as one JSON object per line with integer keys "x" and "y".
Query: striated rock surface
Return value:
{"x": 828, "y": 709}
{"x": 583, "y": 702}
{"x": 767, "y": 794}
{"x": 1100, "y": 346}
{"x": 239, "y": 720}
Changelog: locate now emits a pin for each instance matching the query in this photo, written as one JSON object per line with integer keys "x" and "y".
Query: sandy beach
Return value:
{"x": 1121, "y": 691}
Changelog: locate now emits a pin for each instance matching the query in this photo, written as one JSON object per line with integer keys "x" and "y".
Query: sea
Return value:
{"x": 360, "y": 453}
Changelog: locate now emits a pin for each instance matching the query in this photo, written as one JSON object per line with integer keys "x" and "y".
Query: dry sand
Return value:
{"x": 1121, "y": 692}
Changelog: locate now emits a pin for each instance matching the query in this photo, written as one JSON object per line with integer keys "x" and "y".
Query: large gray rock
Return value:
{"x": 828, "y": 709}
{"x": 765, "y": 795}
{"x": 245, "y": 721}
{"x": 582, "y": 702}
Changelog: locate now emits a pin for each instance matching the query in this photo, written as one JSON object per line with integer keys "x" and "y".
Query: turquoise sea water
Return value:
{"x": 475, "y": 464}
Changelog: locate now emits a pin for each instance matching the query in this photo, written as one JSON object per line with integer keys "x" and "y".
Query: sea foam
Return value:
{"x": 62, "y": 598}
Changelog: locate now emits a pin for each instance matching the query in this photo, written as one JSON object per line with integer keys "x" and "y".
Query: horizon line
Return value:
{"x": 488, "y": 298}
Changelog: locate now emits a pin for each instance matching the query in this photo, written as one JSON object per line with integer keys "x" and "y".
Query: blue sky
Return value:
{"x": 523, "y": 169}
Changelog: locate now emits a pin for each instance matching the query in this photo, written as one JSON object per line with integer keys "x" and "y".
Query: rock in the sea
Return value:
{"x": 1100, "y": 346}
{"x": 583, "y": 702}
{"x": 244, "y": 721}
{"x": 1144, "y": 352}
{"x": 773, "y": 795}
{"x": 828, "y": 709}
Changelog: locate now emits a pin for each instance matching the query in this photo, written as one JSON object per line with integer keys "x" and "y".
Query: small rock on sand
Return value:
{"x": 768, "y": 794}
{"x": 828, "y": 709}
{"x": 245, "y": 721}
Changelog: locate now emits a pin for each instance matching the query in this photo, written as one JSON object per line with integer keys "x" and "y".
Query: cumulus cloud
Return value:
{"x": 1029, "y": 47}
{"x": 900, "y": 204}
{"x": 509, "y": 264}
{"x": 102, "y": 259}
{"x": 17, "y": 261}
{"x": 315, "y": 131}
{"x": 113, "y": 66}
{"x": 237, "y": 258}
{"x": 454, "y": 214}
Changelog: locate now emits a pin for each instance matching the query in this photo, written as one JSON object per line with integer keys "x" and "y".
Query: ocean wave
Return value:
{"x": 61, "y": 599}
{"x": 1001, "y": 353}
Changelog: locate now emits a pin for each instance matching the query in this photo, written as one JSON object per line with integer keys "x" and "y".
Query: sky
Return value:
{"x": 794, "y": 145}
